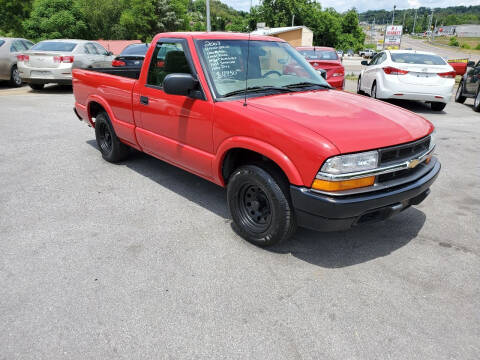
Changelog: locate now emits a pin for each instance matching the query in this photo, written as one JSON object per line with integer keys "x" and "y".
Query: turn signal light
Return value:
{"x": 118, "y": 63}
{"x": 448, "y": 75}
{"x": 394, "y": 71}
{"x": 325, "y": 185}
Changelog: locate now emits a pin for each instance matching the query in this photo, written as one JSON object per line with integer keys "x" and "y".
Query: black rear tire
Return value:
{"x": 37, "y": 87}
{"x": 359, "y": 89}
{"x": 373, "y": 93}
{"x": 112, "y": 149}
{"x": 459, "y": 98}
{"x": 260, "y": 206}
{"x": 476, "y": 102}
{"x": 15, "y": 79}
{"x": 438, "y": 106}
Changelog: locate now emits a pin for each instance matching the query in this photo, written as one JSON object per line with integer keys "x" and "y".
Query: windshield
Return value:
{"x": 319, "y": 54}
{"x": 270, "y": 65}
{"x": 54, "y": 46}
{"x": 137, "y": 49}
{"x": 421, "y": 59}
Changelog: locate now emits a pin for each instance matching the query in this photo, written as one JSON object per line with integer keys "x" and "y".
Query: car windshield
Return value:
{"x": 271, "y": 65}
{"x": 137, "y": 49}
{"x": 319, "y": 54}
{"x": 2, "y": 42}
{"x": 421, "y": 59}
{"x": 54, "y": 46}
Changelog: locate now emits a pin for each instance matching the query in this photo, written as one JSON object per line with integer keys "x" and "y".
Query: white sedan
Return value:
{"x": 408, "y": 75}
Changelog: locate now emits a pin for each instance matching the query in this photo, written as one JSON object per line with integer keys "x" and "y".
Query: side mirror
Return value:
{"x": 109, "y": 53}
{"x": 180, "y": 84}
{"x": 471, "y": 64}
{"x": 364, "y": 62}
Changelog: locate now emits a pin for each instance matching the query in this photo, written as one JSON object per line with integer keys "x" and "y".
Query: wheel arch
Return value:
{"x": 237, "y": 151}
{"x": 95, "y": 105}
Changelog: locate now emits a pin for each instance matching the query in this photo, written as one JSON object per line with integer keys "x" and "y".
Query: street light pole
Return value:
{"x": 209, "y": 26}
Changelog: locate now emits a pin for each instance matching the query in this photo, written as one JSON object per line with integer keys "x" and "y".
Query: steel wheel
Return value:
{"x": 105, "y": 138}
{"x": 255, "y": 208}
{"x": 15, "y": 79}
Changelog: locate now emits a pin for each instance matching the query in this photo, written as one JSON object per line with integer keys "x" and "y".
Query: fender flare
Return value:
{"x": 258, "y": 146}
{"x": 103, "y": 103}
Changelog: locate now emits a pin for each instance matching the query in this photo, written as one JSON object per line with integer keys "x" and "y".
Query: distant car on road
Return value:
{"x": 132, "y": 56}
{"x": 9, "y": 49}
{"x": 340, "y": 53}
{"x": 367, "y": 53}
{"x": 408, "y": 75}
{"x": 469, "y": 86}
{"x": 326, "y": 61}
{"x": 51, "y": 61}
{"x": 350, "y": 52}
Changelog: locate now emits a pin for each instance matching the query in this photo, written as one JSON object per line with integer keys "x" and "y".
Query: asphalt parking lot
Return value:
{"x": 138, "y": 260}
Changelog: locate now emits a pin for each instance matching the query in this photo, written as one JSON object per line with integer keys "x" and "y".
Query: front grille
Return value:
{"x": 403, "y": 152}
{"x": 396, "y": 175}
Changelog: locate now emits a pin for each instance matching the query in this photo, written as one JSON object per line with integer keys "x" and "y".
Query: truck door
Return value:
{"x": 172, "y": 127}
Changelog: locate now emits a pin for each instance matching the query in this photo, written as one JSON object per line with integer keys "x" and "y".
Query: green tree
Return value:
{"x": 12, "y": 14}
{"x": 103, "y": 18}
{"x": 53, "y": 19}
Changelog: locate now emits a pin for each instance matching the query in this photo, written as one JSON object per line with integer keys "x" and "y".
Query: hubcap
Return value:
{"x": 255, "y": 210}
{"x": 105, "y": 138}
{"x": 16, "y": 77}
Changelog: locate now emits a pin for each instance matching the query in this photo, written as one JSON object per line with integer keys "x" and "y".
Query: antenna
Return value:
{"x": 248, "y": 56}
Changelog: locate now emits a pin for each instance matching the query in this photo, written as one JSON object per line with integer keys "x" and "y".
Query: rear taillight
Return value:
{"x": 63, "y": 59}
{"x": 338, "y": 72}
{"x": 23, "y": 58}
{"x": 118, "y": 63}
{"x": 394, "y": 71}
{"x": 448, "y": 75}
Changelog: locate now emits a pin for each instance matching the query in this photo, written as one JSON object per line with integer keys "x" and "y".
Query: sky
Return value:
{"x": 364, "y": 5}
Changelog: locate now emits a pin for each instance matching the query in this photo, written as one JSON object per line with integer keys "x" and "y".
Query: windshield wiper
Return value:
{"x": 257, "y": 89}
{"x": 307, "y": 84}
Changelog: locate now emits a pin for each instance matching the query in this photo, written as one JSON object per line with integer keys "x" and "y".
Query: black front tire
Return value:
{"x": 15, "y": 79}
{"x": 112, "y": 149}
{"x": 476, "y": 102}
{"x": 359, "y": 89}
{"x": 438, "y": 106}
{"x": 459, "y": 98}
{"x": 260, "y": 205}
{"x": 37, "y": 87}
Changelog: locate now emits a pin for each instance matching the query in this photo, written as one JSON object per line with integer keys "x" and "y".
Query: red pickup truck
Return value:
{"x": 290, "y": 150}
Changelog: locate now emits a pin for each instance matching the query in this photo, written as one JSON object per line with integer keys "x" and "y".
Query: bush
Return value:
{"x": 453, "y": 42}
{"x": 477, "y": 47}
{"x": 466, "y": 46}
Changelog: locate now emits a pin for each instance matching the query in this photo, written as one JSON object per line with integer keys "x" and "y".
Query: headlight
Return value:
{"x": 351, "y": 163}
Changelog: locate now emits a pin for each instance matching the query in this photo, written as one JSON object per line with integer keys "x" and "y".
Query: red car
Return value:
{"x": 326, "y": 58}
{"x": 289, "y": 149}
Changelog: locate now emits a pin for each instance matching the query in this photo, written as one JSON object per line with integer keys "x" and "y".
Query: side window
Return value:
{"x": 90, "y": 49}
{"x": 382, "y": 57}
{"x": 27, "y": 44}
{"x": 17, "y": 46}
{"x": 375, "y": 60}
{"x": 167, "y": 58}
{"x": 100, "y": 49}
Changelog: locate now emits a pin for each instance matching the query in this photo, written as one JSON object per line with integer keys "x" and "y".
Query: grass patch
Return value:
{"x": 351, "y": 77}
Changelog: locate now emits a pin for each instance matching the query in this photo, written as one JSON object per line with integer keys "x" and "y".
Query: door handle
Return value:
{"x": 144, "y": 100}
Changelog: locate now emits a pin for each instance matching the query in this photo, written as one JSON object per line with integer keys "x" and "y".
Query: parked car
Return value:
{"x": 367, "y": 53}
{"x": 340, "y": 53}
{"x": 132, "y": 56}
{"x": 326, "y": 59}
{"x": 51, "y": 61}
{"x": 408, "y": 75}
{"x": 289, "y": 149}
{"x": 350, "y": 52}
{"x": 9, "y": 49}
{"x": 469, "y": 86}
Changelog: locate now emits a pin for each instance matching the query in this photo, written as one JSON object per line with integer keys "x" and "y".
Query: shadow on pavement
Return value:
{"x": 333, "y": 250}
{"x": 53, "y": 89}
{"x": 418, "y": 107}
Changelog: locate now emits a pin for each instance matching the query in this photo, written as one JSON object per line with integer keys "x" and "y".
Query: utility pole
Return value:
{"x": 209, "y": 26}
{"x": 414, "y": 21}
{"x": 293, "y": 18}
{"x": 393, "y": 17}
{"x": 430, "y": 23}
{"x": 433, "y": 30}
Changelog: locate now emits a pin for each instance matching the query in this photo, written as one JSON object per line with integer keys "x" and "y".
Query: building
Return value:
{"x": 295, "y": 35}
{"x": 465, "y": 30}
{"x": 116, "y": 46}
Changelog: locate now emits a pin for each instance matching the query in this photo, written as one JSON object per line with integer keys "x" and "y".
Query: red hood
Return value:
{"x": 351, "y": 122}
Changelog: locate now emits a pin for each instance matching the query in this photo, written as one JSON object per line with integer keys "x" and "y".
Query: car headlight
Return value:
{"x": 351, "y": 163}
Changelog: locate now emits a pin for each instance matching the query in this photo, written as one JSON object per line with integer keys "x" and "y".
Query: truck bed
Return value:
{"x": 129, "y": 72}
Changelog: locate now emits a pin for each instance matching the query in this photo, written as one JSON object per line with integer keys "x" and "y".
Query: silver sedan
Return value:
{"x": 51, "y": 61}
{"x": 9, "y": 49}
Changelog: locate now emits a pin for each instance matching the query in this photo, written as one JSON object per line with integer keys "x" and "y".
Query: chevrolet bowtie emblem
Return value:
{"x": 413, "y": 163}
